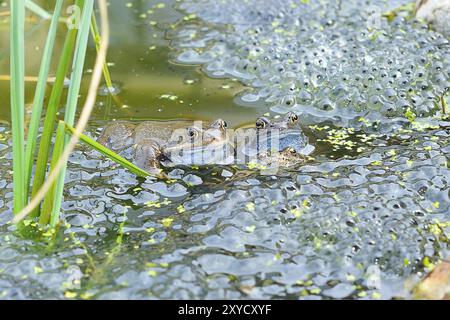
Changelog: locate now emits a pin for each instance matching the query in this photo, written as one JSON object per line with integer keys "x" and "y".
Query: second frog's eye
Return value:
{"x": 262, "y": 123}
{"x": 292, "y": 151}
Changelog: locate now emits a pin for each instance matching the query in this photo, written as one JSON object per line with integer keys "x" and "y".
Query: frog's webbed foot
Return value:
{"x": 146, "y": 155}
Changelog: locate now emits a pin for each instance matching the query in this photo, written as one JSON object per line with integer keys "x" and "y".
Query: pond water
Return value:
{"x": 362, "y": 220}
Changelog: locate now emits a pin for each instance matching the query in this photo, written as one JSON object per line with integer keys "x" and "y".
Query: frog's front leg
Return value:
{"x": 147, "y": 155}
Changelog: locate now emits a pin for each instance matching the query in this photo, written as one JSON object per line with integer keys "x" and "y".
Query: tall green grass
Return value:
{"x": 18, "y": 101}
{"x": 70, "y": 64}
{"x": 40, "y": 92}
{"x": 52, "y": 109}
{"x": 71, "y": 106}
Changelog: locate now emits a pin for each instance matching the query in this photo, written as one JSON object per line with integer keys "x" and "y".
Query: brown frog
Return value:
{"x": 277, "y": 142}
{"x": 147, "y": 144}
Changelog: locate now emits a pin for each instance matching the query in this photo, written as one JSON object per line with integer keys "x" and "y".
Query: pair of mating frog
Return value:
{"x": 152, "y": 144}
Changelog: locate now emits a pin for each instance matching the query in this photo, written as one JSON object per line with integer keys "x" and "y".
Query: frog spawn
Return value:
{"x": 322, "y": 232}
{"x": 324, "y": 60}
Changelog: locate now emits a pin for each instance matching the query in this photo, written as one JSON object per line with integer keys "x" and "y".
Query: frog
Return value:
{"x": 277, "y": 142}
{"x": 155, "y": 144}
{"x": 141, "y": 143}
{"x": 146, "y": 144}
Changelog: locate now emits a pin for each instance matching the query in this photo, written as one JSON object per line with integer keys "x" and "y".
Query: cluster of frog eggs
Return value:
{"x": 326, "y": 60}
{"x": 320, "y": 233}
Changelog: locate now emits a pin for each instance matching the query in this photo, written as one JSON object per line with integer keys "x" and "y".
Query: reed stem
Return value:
{"x": 47, "y": 205}
{"x": 37, "y": 10}
{"x": 40, "y": 94}
{"x": 52, "y": 109}
{"x": 17, "y": 53}
{"x": 72, "y": 99}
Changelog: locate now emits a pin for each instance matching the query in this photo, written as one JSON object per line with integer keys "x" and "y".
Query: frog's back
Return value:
{"x": 118, "y": 135}
{"x": 160, "y": 131}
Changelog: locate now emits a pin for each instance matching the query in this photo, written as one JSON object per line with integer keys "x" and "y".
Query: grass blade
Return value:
{"x": 97, "y": 40}
{"x": 50, "y": 117}
{"x": 82, "y": 121}
{"x": 106, "y": 74}
{"x": 40, "y": 93}
{"x": 78, "y": 62}
{"x": 72, "y": 98}
{"x": 47, "y": 206}
{"x": 444, "y": 105}
{"x": 18, "y": 100}
{"x": 110, "y": 154}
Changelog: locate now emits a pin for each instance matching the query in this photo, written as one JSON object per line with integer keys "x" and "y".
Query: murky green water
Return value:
{"x": 140, "y": 66}
{"x": 363, "y": 220}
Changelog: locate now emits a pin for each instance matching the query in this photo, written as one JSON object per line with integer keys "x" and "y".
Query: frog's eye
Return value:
{"x": 219, "y": 124}
{"x": 292, "y": 151}
{"x": 262, "y": 123}
{"x": 192, "y": 132}
{"x": 293, "y": 118}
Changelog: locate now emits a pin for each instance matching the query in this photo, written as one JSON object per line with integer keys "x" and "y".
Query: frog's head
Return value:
{"x": 198, "y": 146}
{"x": 272, "y": 161}
{"x": 220, "y": 125}
{"x": 290, "y": 121}
{"x": 197, "y": 136}
{"x": 216, "y": 132}
{"x": 289, "y": 156}
{"x": 279, "y": 135}
{"x": 275, "y": 141}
